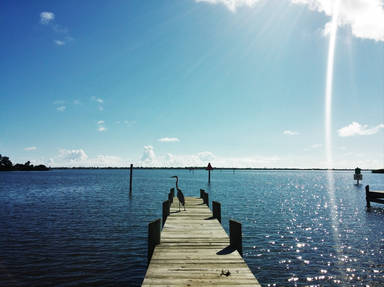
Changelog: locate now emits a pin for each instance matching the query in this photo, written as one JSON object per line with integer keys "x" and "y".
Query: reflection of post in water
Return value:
{"x": 358, "y": 176}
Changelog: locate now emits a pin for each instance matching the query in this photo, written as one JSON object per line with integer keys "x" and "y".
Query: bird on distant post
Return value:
{"x": 180, "y": 195}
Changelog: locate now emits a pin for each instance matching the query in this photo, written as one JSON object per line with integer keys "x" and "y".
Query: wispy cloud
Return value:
{"x": 313, "y": 147}
{"x": 61, "y": 108}
{"x": 59, "y": 42}
{"x": 30, "y": 148}
{"x": 232, "y": 5}
{"x": 168, "y": 140}
{"x": 99, "y": 101}
{"x": 290, "y": 133}
{"x": 46, "y": 17}
{"x": 76, "y": 102}
{"x": 356, "y": 129}
{"x": 101, "y": 126}
{"x": 61, "y": 33}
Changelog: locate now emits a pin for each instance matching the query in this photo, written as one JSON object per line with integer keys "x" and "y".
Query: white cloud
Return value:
{"x": 232, "y": 5}
{"x": 149, "y": 158}
{"x": 78, "y": 158}
{"x": 72, "y": 156}
{"x": 30, "y": 148}
{"x": 148, "y": 154}
{"x": 46, "y": 17}
{"x": 76, "y": 102}
{"x": 61, "y": 108}
{"x": 59, "y": 42}
{"x": 99, "y": 101}
{"x": 357, "y": 129}
{"x": 206, "y": 156}
{"x": 364, "y": 18}
{"x": 101, "y": 127}
{"x": 290, "y": 133}
{"x": 168, "y": 140}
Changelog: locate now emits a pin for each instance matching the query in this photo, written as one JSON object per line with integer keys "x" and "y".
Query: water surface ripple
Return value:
{"x": 81, "y": 227}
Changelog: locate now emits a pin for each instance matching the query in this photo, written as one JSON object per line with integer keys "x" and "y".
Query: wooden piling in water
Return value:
{"x": 216, "y": 210}
{"x": 130, "y": 179}
{"x": 154, "y": 231}
{"x": 235, "y": 236}
{"x": 166, "y": 205}
{"x": 367, "y": 196}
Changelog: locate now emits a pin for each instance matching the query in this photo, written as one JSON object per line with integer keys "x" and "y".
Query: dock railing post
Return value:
{"x": 202, "y": 193}
{"x": 207, "y": 199}
{"x": 153, "y": 237}
{"x": 235, "y": 236}
{"x": 367, "y": 196}
{"x": 165, "y": 211}
{"x": 216, "y": 210}
{"x": 204, "y": 197}
{"x": 130, "y": 179}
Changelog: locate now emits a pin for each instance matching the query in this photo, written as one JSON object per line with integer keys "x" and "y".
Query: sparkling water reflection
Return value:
{"x": 81, "y": 227}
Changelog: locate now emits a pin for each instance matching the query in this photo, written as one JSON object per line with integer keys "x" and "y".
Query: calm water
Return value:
{"x": 81, "y": 228}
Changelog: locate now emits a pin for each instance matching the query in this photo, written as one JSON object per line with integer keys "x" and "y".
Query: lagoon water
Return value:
{"x": 81, "y": 227}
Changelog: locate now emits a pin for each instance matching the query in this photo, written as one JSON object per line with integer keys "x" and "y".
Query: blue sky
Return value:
{"x": 175, "y": 83}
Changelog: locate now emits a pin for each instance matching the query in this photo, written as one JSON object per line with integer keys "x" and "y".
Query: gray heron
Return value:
{"x": 180, "y": 195}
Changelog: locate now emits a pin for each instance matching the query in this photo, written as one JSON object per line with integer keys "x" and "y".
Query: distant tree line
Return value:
{"x": 6, "y": 165}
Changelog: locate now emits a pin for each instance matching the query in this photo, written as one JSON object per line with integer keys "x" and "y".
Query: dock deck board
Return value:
{"x": 187, "y": 253}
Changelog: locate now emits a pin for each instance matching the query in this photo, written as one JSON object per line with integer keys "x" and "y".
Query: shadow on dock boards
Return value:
{"x": 227, "y": 250}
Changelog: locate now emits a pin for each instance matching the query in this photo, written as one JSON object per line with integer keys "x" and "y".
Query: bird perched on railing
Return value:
{"x": 180, "y": 195}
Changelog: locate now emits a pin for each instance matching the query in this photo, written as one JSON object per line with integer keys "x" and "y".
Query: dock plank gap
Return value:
{"x": 195, "y": 250}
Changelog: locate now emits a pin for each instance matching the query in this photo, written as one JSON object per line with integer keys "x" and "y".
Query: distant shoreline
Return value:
{"x": 217, "y": 168}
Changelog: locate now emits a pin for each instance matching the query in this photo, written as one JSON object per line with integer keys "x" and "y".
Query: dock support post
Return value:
{"x": 165, "y": 211}
{"x": 367, "y": 196}
{"x": 153, "y": 237}
{"x": 130, "y": 179}
{"x": 216, "y": 210}
{"x": 206, "y": 198}
{"x": 235, "y": 236}
{"x": 202, "y": 193}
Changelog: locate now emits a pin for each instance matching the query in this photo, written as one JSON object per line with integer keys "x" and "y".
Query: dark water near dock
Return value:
{"x": 81, "y": 227}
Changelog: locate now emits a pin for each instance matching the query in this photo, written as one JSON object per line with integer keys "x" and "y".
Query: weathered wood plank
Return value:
{"x": 194, "y": 251}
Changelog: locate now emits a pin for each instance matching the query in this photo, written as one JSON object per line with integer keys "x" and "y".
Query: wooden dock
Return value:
{"x": 373, "y": 196}
{"x": 195, "y": 250}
